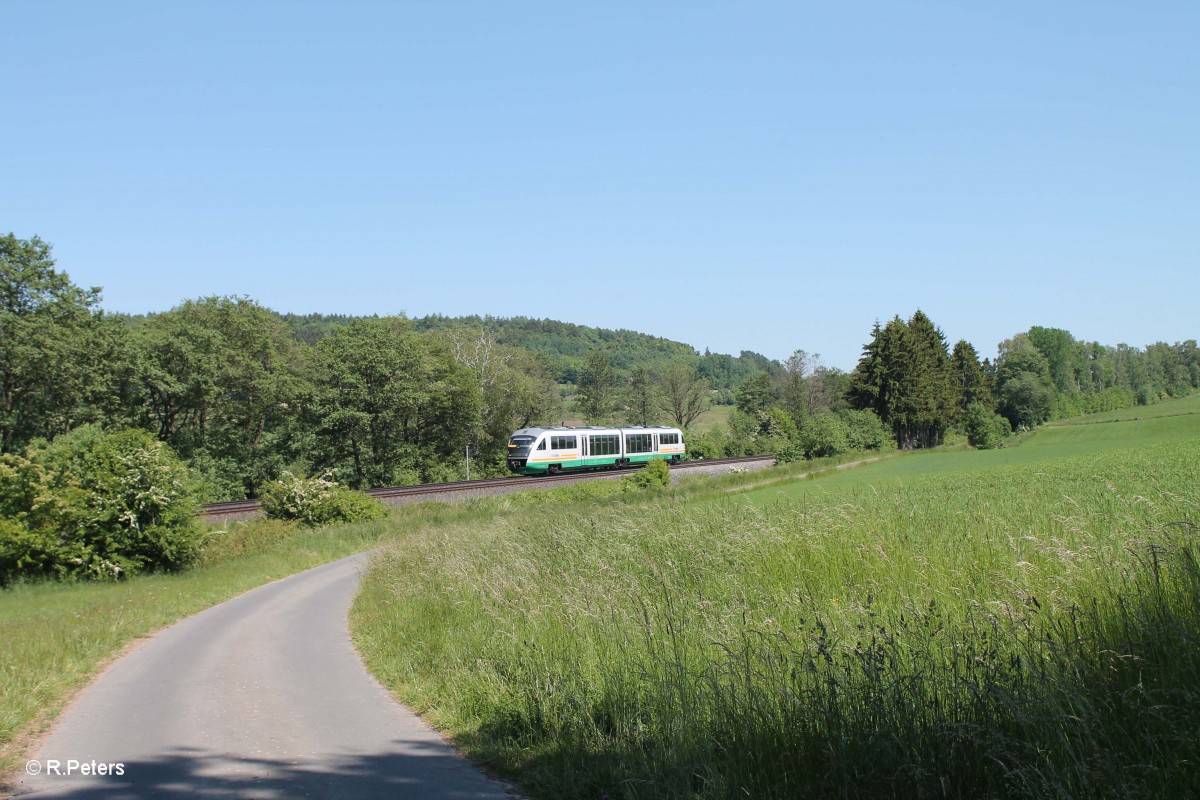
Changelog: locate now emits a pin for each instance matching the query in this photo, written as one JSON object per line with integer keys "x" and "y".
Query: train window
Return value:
{"x": 542, "y": 445}
{"x": 604, "y": 445}
{"x": 639, "y": 443}
{"x": 563, "y": 443}
{"x": 669, "y": 438}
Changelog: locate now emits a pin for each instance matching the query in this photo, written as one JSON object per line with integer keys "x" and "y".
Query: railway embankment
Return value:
{"x": 219, "y": 513}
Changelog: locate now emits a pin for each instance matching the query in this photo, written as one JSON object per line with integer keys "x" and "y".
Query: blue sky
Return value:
{"x": 759, "y": 176}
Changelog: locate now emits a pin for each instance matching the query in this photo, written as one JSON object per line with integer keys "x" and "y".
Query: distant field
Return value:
{"x": 1172, "y": 421}
{"x": 1014, "y": 623}
{"x": 716, "y": 418}
{"x": 1186, "y": 405}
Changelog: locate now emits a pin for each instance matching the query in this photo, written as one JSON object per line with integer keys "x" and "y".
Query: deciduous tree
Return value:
{"x": 388, "y": 404}
{"x": 684, "y": 395}
{"x": 48, "y": 361}
{"x": 640, "y": 396}
{"x": 220, "y": 377}
{"x": 597, "y": 387}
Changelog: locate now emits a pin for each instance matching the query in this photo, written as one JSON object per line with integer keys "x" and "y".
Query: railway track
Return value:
{"x": 398, "y": 495}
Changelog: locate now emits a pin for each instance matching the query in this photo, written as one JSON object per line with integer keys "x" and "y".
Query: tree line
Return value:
{"x": 243, "y": 394}
{"x": 920, "y": 388}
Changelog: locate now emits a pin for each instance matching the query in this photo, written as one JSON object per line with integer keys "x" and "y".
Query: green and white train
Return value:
{"x": 547, "y": 451}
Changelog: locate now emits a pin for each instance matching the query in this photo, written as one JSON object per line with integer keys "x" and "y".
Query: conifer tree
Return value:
{"x": 970, "y": 379}
{"x": 905, "y": 377}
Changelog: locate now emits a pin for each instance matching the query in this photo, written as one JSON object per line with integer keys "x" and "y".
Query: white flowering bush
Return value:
{"x": 96, "y": 504}
{"x": 317, "y": 501}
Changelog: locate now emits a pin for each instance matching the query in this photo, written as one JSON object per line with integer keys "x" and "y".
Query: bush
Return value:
{"x": 985, "y": 428}
{"x": 701, "y": 446}
{"x": 865, "y": 430}
{"x": 317, "y": 501}
{"x": 96, "y": 504}
{"x": 824, "y": 434}
{"x": 655, "y": 474}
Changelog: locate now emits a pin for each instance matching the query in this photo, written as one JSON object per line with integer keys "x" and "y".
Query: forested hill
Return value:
{"x": 243, "y": 394}
{"x": 566, "y": 346}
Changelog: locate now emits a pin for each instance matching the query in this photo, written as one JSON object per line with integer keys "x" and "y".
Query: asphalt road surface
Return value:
{"x": 260, "y": 697}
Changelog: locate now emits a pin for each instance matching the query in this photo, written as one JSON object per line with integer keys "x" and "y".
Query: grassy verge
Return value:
{"x": 1019, "y": 624}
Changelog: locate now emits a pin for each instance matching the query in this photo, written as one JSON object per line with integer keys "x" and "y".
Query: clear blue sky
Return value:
{"x": 760, "y": 176}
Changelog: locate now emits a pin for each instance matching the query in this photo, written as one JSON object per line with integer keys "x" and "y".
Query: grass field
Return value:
{"x": 716, "y": 418}
{"x": 1167, "y": 422}
{"x": 1014, "y": 623}
{"x": 851, "y": 629}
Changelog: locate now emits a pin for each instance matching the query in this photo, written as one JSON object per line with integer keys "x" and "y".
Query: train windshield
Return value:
{"x": 519, "y": 445}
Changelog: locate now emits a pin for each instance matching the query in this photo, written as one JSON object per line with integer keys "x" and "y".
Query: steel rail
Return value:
{"x": 245, "y": 509}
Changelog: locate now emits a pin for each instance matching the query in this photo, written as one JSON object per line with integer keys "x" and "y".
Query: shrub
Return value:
{"x": 865, "y": 430}
{"x": 824, "y": 434}
{"x": 317, "y": 501}
{"x": 984, "y": 427}
{"x": 96, "y": 504}
{"x": 702, "y": 446}
{"x": 655, "y": 474}
{"x": 789, "y": 452}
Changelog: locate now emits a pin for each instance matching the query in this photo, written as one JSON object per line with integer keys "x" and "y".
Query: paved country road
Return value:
{"x": 260, "y": 697}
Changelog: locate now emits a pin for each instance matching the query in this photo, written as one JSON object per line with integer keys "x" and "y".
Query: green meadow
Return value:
{"x": 714, "y": 419}
{"x": 1014, "y": 623}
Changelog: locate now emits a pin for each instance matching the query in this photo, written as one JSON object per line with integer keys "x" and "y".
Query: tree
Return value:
{"x": 828, "y": 388}
{"x": 1065, "y": 357}
{"x": 515, "y": 390}
{"x": 972, "y": 384}
{"x": 882, "y": 379}
{"x": 640, "y": 396}
{"x": 794, "y": 391}
{"x": 220, "y": 378}
{"x": 388, "y": 405}
{"x": 756, "y": 395}
{"x": 985, "y": 428}
{"x": 597, "y": 385}
{"x": 1025, "y": 400}
{"x": 48, "y": 364}
{"x": 904, "y": 376}
{"x": 934, "y": 402}
{"x": 685, "y": 395}
{"x": 1024, "y": 388}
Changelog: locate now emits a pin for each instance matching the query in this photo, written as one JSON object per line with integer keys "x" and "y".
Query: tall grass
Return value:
{"x": 1025, "y": 631}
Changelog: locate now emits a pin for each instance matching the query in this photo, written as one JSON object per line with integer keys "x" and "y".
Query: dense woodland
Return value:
{"x": 242, "y": 393}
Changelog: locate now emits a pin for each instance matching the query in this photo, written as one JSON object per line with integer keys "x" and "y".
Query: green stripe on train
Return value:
{"x": 606, "y": 461}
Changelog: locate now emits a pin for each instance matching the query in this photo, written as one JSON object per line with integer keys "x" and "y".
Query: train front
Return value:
{"x": 519, "y": 447}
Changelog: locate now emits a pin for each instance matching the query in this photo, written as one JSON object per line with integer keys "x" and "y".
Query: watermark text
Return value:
{"x": 71, "y": 766}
